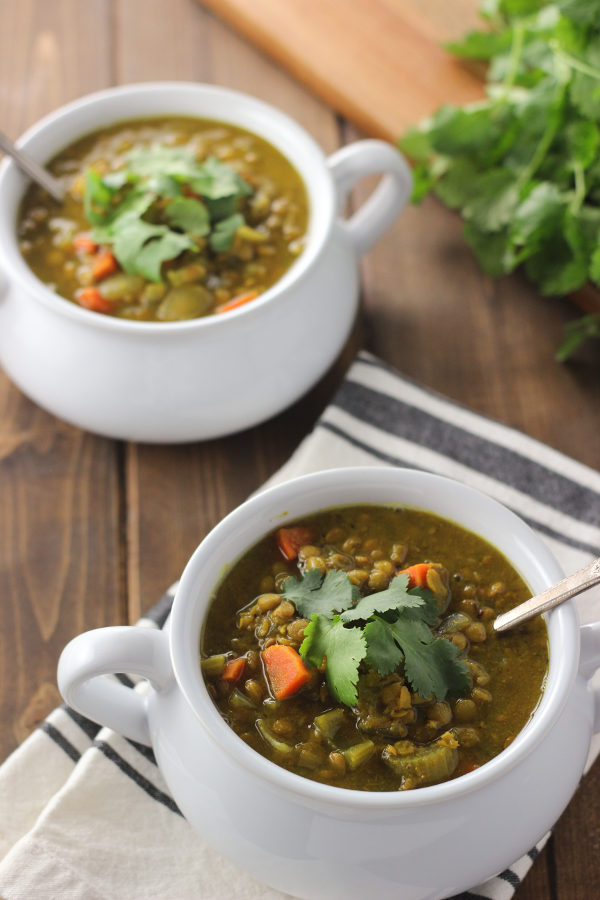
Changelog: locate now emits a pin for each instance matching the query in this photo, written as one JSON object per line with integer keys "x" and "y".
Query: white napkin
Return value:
{"x": 85, "y": 813}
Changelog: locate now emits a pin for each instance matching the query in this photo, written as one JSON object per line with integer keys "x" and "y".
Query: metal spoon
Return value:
{"x": 569, "y": 587}
{"x": 31, "y": 168}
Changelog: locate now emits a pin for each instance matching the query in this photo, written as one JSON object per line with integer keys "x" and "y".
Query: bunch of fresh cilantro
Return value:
{"x": 523, "y": 166}
{"x": 388, "y": 629}
{"x": 162, "y": 202}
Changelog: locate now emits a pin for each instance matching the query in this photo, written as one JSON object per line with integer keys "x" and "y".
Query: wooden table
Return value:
{"x": 93, "y": 530}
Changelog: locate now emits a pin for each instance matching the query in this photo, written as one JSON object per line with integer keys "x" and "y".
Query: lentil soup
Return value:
{"x": 166, "y": 219}
{"x": 356, "y": 648}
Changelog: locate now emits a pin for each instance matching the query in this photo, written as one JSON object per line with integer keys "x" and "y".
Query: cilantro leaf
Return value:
{"x": 471, "y": 131}
{"x": 576, "y": 333}
{"x": 117, "y": 180}
{"x": 480, "y": 45}
{"x": 122, "y": 206}
{"x": 153, "y": 254}
{"x": 131, "y": 209}
{"x": 582, "y": 140}
{"x": 131, "y": 237}
{"x": 334, "y": 594}
{"x": 222, "y": 237}
{"x": 397, "y": 630}
{"x": 495, "y": 198}
{"x": 97, "y": 197}
{"x": 585, "y": 84}
{"x": 141, "y": 248}
{"x": 539, "y": 214}
{"x": 383, "y": 653}
{"x": 342, "y": 647}
{"x": 431, "y": 665}
{"x": 395, "y": 597}
{"x": 416, "y": 144}
{"x": 216, "y": 180}
{"x": 584, "y": 11}
{"x": 522, "y": 166}
{"x": 457, "y": 187}
{"x": 561, "y": 265}
{"x": 492, "y": 250}
{"x": 188, "y": 214}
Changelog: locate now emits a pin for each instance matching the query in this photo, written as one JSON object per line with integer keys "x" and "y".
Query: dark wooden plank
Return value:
{"x": 577, "y": 843}
{"x": 59, "y": 516}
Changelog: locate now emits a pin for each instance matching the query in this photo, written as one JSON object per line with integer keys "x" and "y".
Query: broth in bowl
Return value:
{"x": 356, "y": 648}
{"x": 166, "y": 219}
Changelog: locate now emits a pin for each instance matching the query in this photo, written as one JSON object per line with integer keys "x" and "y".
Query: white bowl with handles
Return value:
{"x": 317, "y": 841}
{"x": 201, "y": 378}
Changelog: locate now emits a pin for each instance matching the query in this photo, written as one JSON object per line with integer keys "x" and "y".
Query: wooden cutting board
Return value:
{"x": 380, "y": 63}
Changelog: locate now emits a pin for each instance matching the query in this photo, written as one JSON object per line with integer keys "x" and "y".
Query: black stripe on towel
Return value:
{"x": 160, "y": 611}
{"x": 398, "y": 461}
{"x": 533, "y": 854}
{"x": 88, "y": 727}
{"x": 511, "y": 877}
{"x": 61, "y": 741}
{"x": 520, "y": 472}
{"x": 145, "y": 751}
{"x": 137, "y": 777}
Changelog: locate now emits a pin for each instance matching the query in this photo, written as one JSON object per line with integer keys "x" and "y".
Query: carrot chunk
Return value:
{"x": 92, "y": 299}
{"x": 240, "y": 300}
{"x": 417, "y": 575}
{"x": 85, "y": 244}
{"x": 234, "y": 669}
{"x": 104, "y": 264}
{"x": 289, "y": 540}
{"x": 285, "y": 669}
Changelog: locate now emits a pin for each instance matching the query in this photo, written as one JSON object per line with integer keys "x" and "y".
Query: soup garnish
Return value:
{"x": 166, "y": 219}
{"x": 356, "y": 648}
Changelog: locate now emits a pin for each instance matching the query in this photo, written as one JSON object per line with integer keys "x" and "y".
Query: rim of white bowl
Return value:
{"x": 322, "y": 201}
{"x": 185, "y": 634}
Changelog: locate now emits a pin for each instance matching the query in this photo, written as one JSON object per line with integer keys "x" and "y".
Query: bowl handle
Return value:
{"x": 589, "y": 662}
{"x": 90, "y": 657}
{"x": 388, "y": 199}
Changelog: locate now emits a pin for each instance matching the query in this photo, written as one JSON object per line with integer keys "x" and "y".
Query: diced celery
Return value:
{"x": 275, "y": 742}
{"x": 239, "y": 700}
{"x": 357, "y": 755}
{"x": 212, "y": 666}
{"x": 426, "y": 765}
{"x": 328, "y": 723}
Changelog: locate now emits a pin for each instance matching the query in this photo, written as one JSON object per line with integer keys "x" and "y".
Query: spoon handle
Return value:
{"x": 569, "y": 587}
{"x": 31, "y": 168}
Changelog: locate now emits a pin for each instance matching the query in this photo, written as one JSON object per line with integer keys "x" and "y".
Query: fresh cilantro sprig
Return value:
{"x": 325, "y": 596}
{"x": 145, "y": 213}
{"x": 386, "y": 629}
{"x": 523, "y": 166}
{"x": 343, "y": 648}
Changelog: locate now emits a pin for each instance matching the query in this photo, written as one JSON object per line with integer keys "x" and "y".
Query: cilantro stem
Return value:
{"x": 552, "y": 125}
{"x": 580, "y": 188}
{"x": 575, "y": 63}
{"x": 515, "y": 58}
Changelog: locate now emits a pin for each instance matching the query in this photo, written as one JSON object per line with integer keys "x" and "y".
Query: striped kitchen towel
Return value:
{"x": 85, "y": 814}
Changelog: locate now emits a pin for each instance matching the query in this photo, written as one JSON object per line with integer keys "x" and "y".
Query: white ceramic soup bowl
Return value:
{"x": 317, "y": 841}
{"x": 203, "y": 378}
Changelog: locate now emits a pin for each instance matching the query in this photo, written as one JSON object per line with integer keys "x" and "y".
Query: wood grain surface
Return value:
{"x": 92, "y": 531}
